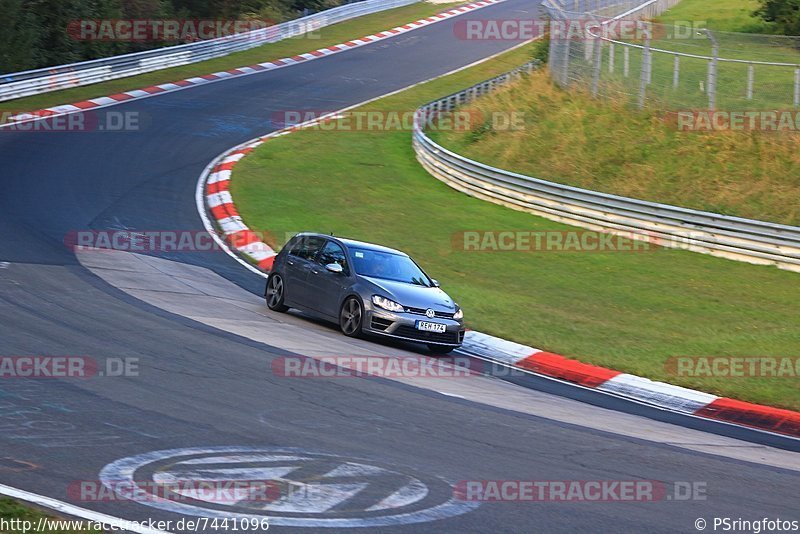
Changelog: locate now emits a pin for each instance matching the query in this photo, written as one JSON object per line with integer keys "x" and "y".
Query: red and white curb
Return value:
{"x": 111, "y": 100}
{"x": 678, "y": 399}
{"x": 660, "y": 394}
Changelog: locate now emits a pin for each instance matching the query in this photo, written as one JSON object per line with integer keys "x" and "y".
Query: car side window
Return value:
{"x": 306, "y": 247}
{"x": 334, "y": 253}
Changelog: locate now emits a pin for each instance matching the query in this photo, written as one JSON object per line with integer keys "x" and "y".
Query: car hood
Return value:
{"x": 411, "y": 295}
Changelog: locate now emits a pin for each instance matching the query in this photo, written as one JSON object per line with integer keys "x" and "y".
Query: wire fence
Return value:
{"x": 680, "y": 65}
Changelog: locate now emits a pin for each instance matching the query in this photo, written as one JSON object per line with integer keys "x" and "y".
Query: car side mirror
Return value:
{"x": 435, "y": 282}
{"x": 334, "y": 268}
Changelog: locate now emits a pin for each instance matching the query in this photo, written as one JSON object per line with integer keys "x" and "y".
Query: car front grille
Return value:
{"x": 413, "y": 333}
{"x": 421, "y": 311}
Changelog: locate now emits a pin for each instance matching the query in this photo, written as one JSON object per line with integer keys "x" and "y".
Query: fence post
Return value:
{"x": 611, "y": 58}
{"x": 676, "y": 71}
{"x": 565, "y": 65}
{"x": 750, "y": 77}
{"x": 645, "y": 68}
{"x": 711, "y": 81}
{"x": 598, "y": 64}
{"x": 796, "y": 87}
{"x": 626, "y": 61}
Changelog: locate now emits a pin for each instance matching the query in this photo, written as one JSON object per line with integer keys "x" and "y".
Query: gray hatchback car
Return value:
{"x": 366, "y": 288}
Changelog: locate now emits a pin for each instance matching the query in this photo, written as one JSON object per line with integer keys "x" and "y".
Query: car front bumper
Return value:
{"x": 404, "y": 326}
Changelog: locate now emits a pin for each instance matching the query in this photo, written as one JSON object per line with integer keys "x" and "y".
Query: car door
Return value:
{"x": 298, "y": 265}
{"x": 325, "y": 287}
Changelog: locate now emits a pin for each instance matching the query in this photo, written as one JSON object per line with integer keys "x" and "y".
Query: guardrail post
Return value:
{"x": 643, "y": 78}
{"x": 750, "y": 77}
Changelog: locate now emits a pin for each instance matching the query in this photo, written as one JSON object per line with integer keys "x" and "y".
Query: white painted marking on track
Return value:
{"x": 75, "y": 511}
{"x": 316, "y": 493}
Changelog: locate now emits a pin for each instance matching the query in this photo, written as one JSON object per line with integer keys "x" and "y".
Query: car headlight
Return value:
{"x": 458, "y": 315}
{"x": 386, "y": 304}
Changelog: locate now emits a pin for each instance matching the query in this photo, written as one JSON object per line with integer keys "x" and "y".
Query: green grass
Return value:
{"x": 330, "y": 35}
{"x": 773, "y": 85}
{"x": 607, "y": 146}
{"x": 721, "y": 15}
{"x": 628, "y": 311}
{"x": 11, "y": 509}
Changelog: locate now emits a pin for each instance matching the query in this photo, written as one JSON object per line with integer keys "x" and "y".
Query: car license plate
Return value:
{"x": 425, "y": 326}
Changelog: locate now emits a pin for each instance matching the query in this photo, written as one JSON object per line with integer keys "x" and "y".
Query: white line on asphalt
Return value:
{"x": 75, "y": 511}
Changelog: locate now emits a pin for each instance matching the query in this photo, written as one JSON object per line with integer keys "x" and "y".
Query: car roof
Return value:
{"x": 352, "y": 243}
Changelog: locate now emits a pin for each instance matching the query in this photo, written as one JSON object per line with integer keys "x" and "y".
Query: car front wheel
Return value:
{"x": 275, "y": 293}
{"x": 351, "y": 317}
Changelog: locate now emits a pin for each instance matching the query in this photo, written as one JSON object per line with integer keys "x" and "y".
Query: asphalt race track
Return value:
{"x": 206, "y": 395}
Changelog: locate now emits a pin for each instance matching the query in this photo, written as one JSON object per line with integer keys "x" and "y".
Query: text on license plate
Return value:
{"x": 425, "y": 326}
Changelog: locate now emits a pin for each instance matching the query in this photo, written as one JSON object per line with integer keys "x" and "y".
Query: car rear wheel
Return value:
{"x": 275, "y": 292}
{"x": 440, "y": 349}
{"x": 351, "y": 317}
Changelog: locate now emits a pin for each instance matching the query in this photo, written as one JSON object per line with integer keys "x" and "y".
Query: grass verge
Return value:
{"x": 14, "y": 510}
{"x": 773, "y": 86}
{"x": 605, "y": 145}
{"x": 330, "y": 35}
{"x": 627, "y": 311}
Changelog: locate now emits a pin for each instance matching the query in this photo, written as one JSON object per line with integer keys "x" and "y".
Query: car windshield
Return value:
{"x": 388, "y": 267}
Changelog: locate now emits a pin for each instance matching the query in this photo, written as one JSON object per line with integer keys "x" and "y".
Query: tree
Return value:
{"x": 784, "y": 14}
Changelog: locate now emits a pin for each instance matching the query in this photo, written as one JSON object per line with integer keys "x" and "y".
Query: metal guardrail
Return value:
{"x": 20, "y": 84}
{"x": 670, "y": 226}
